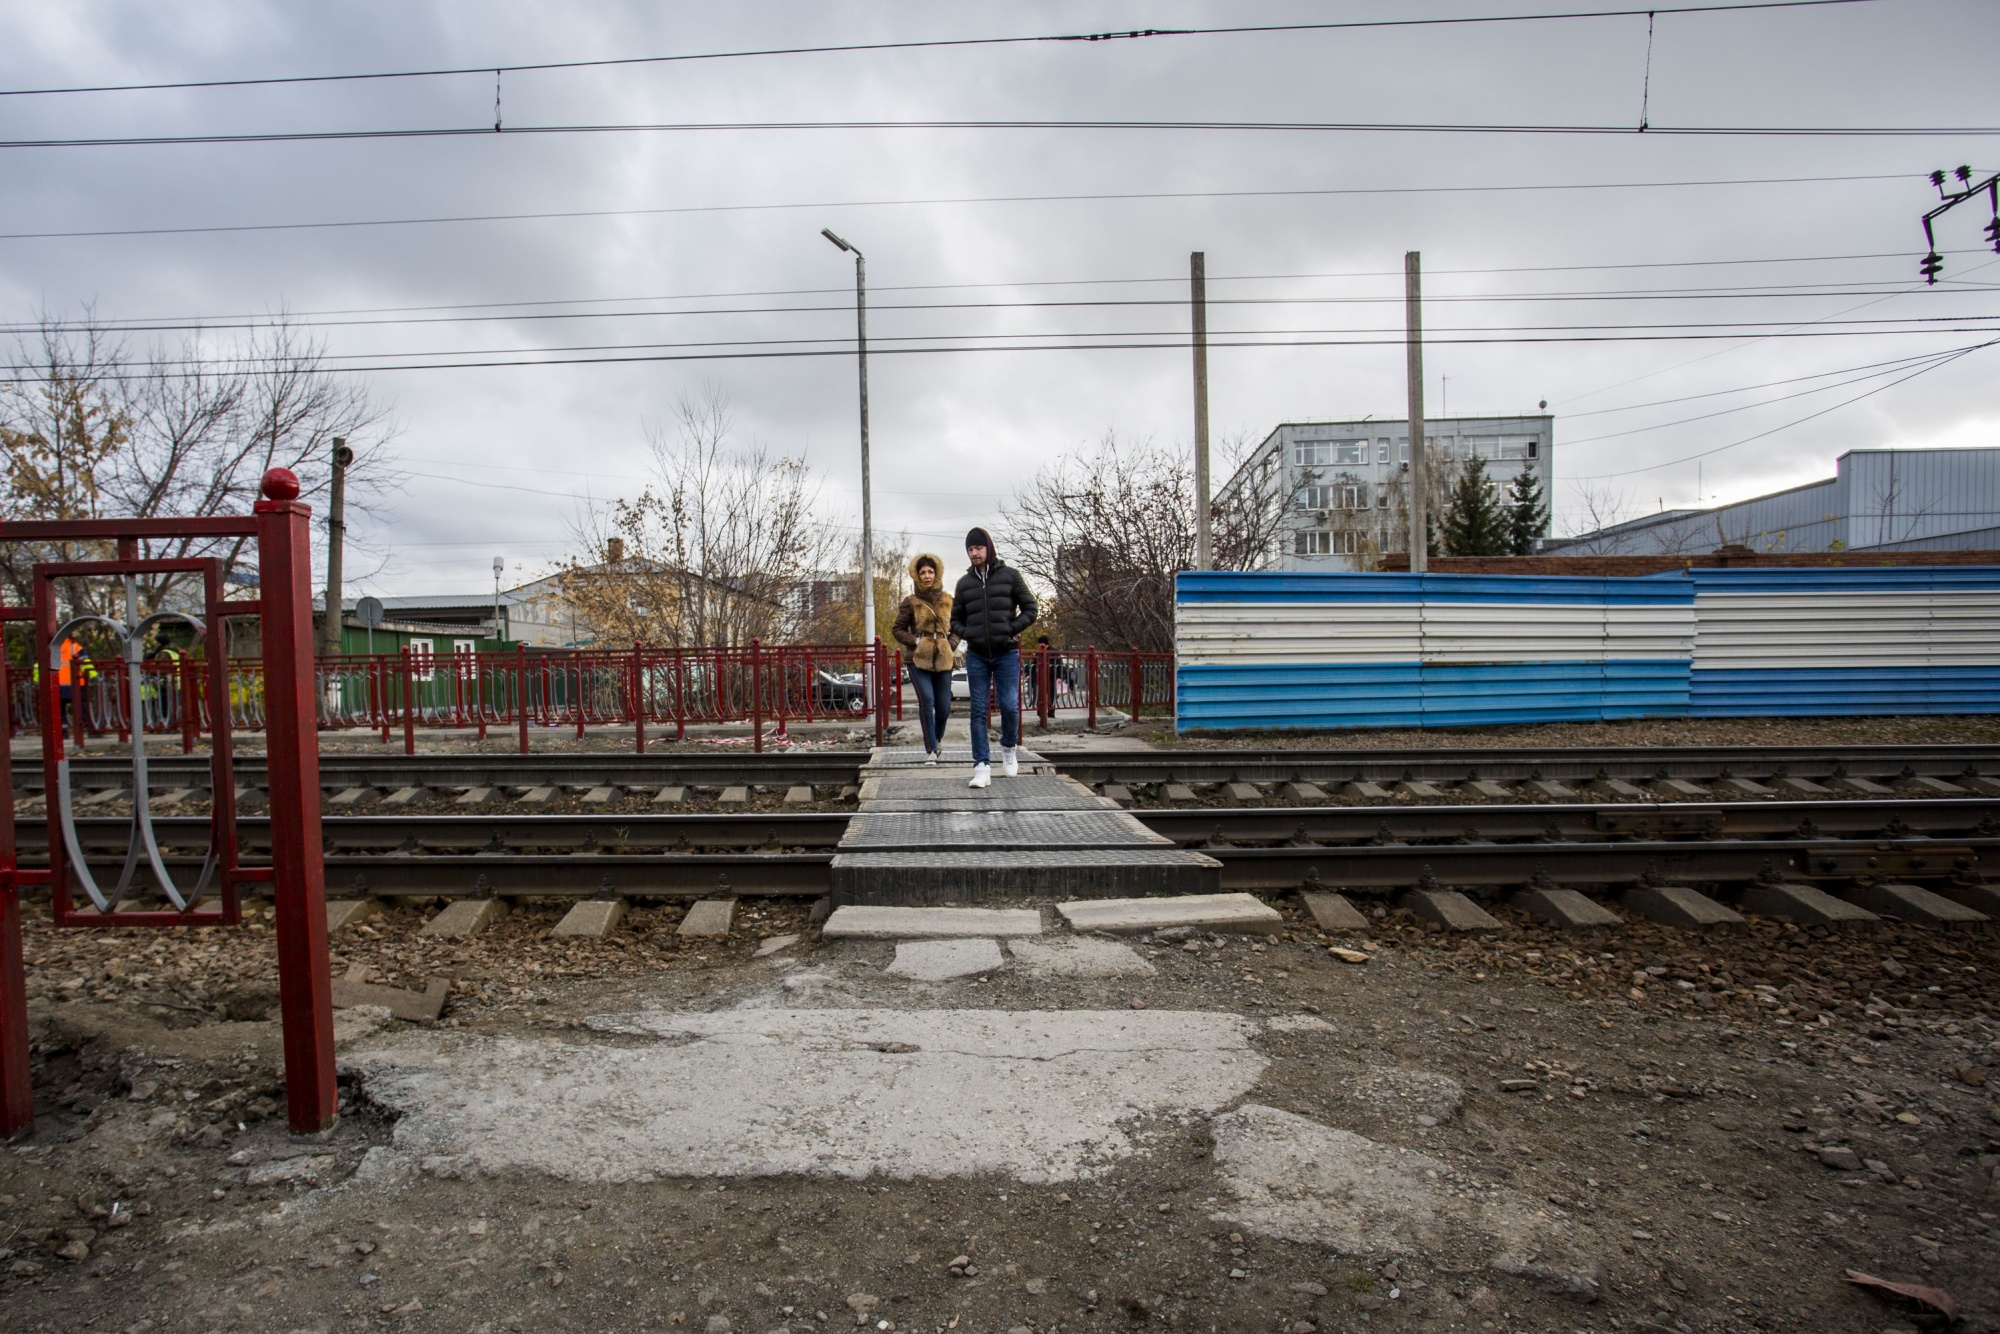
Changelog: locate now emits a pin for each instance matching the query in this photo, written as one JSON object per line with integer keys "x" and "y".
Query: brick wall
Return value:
{"x": 1728, "y": 558}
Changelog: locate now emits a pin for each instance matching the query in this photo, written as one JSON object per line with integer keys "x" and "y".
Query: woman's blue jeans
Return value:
{"x": 933, "y": 704}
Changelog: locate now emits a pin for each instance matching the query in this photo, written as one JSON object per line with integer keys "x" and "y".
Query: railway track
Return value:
{"x": 1193, "y": 768}
{"x": 1367, "y": 849}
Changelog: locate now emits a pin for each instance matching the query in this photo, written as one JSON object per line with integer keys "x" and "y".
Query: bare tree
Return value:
{"x": 721, "y": 548}
{"x": 91, "y": 430}
{"x": 1603, "y": 508}
{"x": 1248, "y": 516}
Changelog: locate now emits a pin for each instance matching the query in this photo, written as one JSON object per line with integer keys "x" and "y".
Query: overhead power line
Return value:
{"x": 155, "y": 323}
{"x": 1130, "y": 196}
{"x": 1175, "y": 126}
{"x": 1151, "y": 343}
{"x": 1800, "y": 421}
{"x": 933, "y": 44}
{"x": 1806, "y": 291}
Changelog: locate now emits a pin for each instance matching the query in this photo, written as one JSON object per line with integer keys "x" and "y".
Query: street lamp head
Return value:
{"x": 827, "y": 232}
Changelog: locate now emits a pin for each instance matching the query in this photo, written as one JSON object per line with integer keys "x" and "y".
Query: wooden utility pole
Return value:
{"x": 1204, "y": 546}
{"x": 336, "y": 537}
{"x": 1413, "y": 314}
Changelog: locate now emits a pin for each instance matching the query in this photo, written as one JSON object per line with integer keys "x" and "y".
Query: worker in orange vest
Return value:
{"x": 74, "y": 671}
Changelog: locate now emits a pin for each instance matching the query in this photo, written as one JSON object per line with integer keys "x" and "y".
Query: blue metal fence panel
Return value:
{"x": 1358, "y": 650}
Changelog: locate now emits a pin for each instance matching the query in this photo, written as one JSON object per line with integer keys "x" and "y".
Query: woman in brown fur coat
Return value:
{"x": 923, "y": 628}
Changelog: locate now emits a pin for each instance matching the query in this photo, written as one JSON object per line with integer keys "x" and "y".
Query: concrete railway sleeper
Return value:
{"x": 1729, "y": 850}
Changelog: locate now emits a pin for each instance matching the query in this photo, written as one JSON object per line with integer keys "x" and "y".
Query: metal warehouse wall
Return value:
{"x": 1325, "y": 651}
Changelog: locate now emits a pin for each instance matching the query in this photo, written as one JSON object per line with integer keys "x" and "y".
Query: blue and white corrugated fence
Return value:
{"x": 1399, "y": 650}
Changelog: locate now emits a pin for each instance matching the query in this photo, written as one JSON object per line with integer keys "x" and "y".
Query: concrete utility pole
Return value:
{"x": 336, "y": 537}
{"x": 867, "y": 506}
{"x": 1204, "y": 546}
{"x": 1413, "y": 314}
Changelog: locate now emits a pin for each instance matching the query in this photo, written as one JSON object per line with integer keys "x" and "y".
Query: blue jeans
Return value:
{"x": 933, "y": 704}
{"x": 998, "y": 675}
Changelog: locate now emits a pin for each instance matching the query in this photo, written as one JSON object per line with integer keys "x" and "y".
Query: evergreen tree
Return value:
{"x": 1474, "y": 522}
{"x": 1527, "y": 513}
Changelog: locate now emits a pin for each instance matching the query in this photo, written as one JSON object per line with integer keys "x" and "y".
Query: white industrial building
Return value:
{"x": 1344, "y": 486}
{"x": 1877, "y": 500}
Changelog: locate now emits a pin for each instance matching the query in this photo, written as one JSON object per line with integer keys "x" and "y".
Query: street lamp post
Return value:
{"x": 867, "y": 507}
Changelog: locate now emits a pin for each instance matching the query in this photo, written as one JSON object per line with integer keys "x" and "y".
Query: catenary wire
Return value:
{"x": 929, "y": 44}
{"x": 1009, "y": 123}
{"x": 212, "y": 321}
{"x": 223, "y": 228}
{"x": 1766, "y": 292}
{"x": 1165, "y": 343}
{"x": 1706, "y": 453}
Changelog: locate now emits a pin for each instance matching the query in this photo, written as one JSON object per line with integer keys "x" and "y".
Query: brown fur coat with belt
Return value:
{"x": 923, "y": 621}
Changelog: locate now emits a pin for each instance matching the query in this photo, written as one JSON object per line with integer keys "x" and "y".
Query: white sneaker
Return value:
{"x": 930, "y": 758}
{"x": 1010, "y": 763}
{"x": 982, "y": 776}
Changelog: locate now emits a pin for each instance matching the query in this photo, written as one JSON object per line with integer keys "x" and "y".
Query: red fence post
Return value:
{"x": 1137, "y": 686}
{"x": 1090, "y": 684}
{"x": 305, "y": 980}
{"x": 521, "y": 691}
{"x": 190, "y": 705}
{"x": 782, "y": 695}
{"x": 680, "y": 695}
{"x": 896, "y": 675}
{"x": 756, "y": 696}
{"x": 638, "y": 697}
{"x": 17, "y": 1096}
{"x": 880, "y": 664}
{"x": 1043, "y": 687}
{"x": 409, "y": 702}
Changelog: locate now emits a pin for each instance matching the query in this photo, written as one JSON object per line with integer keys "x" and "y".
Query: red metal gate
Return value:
{"x": 281, "y": 528}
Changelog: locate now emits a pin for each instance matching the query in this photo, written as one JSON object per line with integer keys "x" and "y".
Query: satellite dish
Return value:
{"x": 368, "y": 611}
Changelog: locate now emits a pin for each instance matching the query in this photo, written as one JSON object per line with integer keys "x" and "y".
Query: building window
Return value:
{"x": 1381, "y": 495}
{"x": 1347, "y": 543}
{"x": 1353, "y": 497}
{"x": 1315, "y": 497}
{"x": 1322, "y": 453}
{"x": 1316, "y": 542}
{"x": 1381, "y": 451}
{"x": 421, "y": 662}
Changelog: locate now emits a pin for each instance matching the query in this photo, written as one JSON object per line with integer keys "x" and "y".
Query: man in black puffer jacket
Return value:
{"x": 990, "y": 608}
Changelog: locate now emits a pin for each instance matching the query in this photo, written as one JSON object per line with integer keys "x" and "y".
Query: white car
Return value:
{"x": 961, "y": 687}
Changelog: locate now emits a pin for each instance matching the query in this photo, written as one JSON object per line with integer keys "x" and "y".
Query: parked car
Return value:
{"x": 961, "y": 687}
{"x": 836, "y": 692}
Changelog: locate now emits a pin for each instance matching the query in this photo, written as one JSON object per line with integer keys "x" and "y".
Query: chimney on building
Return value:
{"x": 614, "y": 550}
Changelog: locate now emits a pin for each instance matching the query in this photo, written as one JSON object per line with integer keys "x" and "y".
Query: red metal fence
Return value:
{"x": 655, "y": 691}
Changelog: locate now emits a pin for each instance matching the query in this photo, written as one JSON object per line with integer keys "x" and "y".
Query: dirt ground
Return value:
{"x": 1713, "y": 1127}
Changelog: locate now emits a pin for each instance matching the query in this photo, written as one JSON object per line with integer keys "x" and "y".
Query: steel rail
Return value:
{"x": 339, "y": 771}
{"x": 1370, "y": 849}
{"x": 1207, "y": 828}
{"x": 1382, "y": 870}
{"x": 1596, "y": 822}
{"x": 1517, "y": 764}
{"x": 1415, "y": 764}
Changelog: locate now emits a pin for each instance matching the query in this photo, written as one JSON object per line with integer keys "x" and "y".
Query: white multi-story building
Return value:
{"x": 1343, "y": 487}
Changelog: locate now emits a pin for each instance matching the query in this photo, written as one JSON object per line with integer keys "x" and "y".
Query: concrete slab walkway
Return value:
{"x": 922, "y": 836}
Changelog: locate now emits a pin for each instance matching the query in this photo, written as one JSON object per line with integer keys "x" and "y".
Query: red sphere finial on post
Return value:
{"x": 281, "y": 484}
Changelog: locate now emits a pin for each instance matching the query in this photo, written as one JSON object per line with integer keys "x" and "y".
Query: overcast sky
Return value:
{"x": 498, "y": 460}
